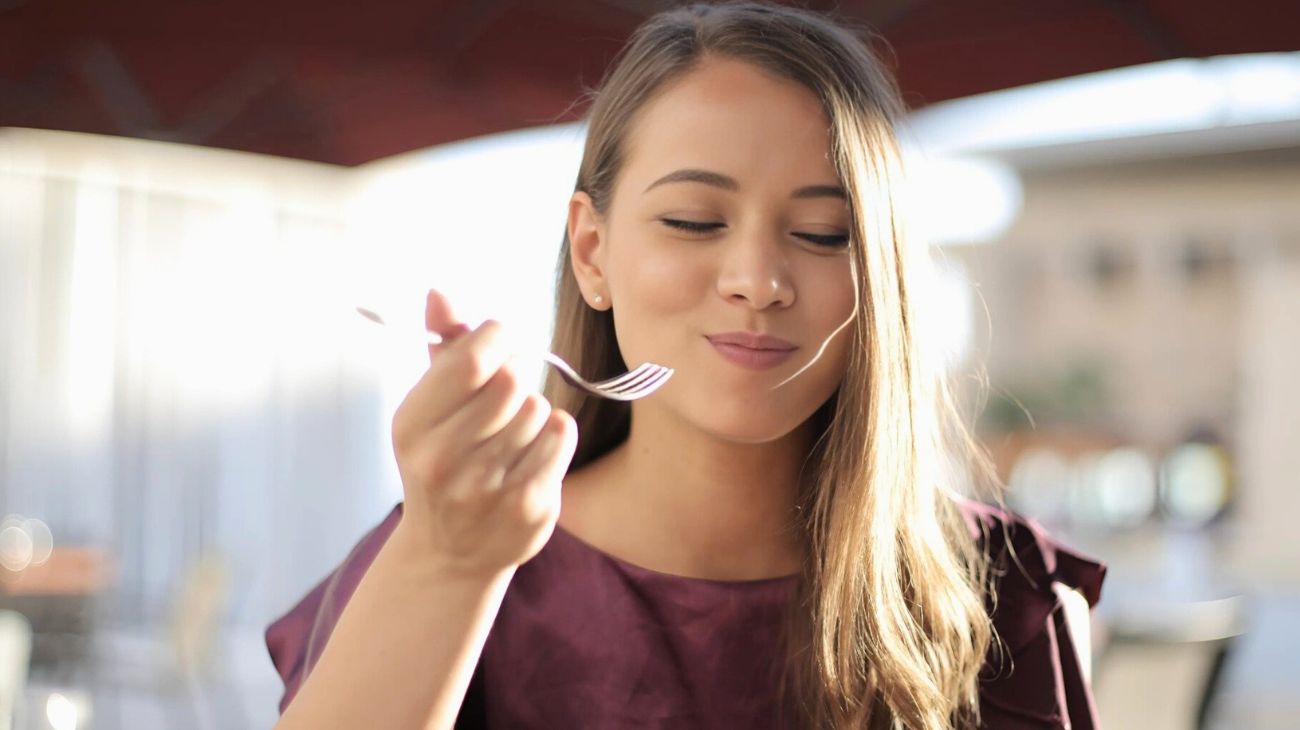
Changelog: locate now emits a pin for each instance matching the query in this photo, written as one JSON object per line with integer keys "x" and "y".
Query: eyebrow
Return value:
{"x": 718, "y": 180}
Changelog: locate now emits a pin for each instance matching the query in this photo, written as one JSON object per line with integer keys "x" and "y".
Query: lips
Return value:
{"x": 751, "y": 340}
{"x": 752, "y": 351}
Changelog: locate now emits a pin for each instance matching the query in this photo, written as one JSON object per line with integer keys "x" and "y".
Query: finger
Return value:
{"x": 486, "y": 413}
{"x": 536, "y": 486}
{"x": 463, "y": 367}
{"x": 547, "y": 457}
{"x": 440, "y": 318}
{"x": 507, "y": 446}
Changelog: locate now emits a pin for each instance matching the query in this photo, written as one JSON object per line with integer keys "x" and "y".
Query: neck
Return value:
{"x": 705, "y": 506}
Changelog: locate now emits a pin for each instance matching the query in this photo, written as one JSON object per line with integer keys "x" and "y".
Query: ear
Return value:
{"x": 587, "y": 249}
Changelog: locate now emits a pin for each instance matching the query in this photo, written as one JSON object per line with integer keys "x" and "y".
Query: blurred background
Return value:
{"x": 194, "y": 196}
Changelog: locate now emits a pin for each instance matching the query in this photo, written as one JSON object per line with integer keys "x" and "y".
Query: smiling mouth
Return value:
{"x": 751, "y": 340}
{"x": 751, "y": 358}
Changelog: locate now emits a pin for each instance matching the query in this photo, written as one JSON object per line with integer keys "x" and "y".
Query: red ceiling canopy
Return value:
{"x": 347, "y": 83}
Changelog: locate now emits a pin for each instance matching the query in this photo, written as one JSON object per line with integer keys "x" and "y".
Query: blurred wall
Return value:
{"x": 1155, "y": 300}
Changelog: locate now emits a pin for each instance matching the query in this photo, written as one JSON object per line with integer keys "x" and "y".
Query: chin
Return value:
{"x": 745, "y": 424}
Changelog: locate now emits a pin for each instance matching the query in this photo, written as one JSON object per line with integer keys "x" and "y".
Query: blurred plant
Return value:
{"x": 1077, "y": 393}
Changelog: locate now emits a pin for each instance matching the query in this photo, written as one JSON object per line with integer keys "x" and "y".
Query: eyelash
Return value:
{"x": 826, "y": 241}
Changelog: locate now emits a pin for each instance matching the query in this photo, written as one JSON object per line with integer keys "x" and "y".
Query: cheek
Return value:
{"x": 832, "y": 298}
{"x": 835, "y": 305}
{"x": 660, "y": 277}
{"x": 656, "y": 288}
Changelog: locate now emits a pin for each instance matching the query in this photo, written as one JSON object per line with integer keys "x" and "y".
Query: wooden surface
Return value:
{"x": 69, "y": 570}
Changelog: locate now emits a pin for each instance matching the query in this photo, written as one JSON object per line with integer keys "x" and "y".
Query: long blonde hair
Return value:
{"x": 890, "y": 627}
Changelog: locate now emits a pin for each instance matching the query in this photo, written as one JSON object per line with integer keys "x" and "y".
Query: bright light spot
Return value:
{"x": 1125, "y": 480}
{"x": 1257, "y": 88}
{"x": 1039, "y": 483}
{"x": 61, "y": 712}
{"x": 953, "y": 307}
{"x": 961, "y": 200}
{"x": 15, "y": 548}
{"x": 1196, "y": 483}
{"x": 42, "y": 540}
{"x": 1180, "y": 95}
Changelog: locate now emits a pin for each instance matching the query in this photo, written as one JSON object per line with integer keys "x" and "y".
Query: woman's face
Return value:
{"x": 727, "y": 217}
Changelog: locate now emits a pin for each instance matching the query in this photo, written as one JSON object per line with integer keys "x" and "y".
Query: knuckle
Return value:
{"x": 402, "y": 434}
{"x": 438, "y": 470}
{"x": 536, "y": 503}
{"x": 491, "y": 453}
{"x": 543, "y": 404}
{"x": 488, "y": 475}
{"x": 473, "y": 362}
{"x": 534, "y": 405}
{"x": 501, "y": 392}
{"x": 473, "y": 366}
{"x": 525, "y": 410}
{"x": 557, "y": 423}
{"x": 428, "y": 461}
{"x": 507, "y": 379}
{"x": 415, "y": 474}
{"x": 459, "y": 495}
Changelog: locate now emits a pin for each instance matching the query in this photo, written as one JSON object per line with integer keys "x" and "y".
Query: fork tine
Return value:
{"x": 635, "y": 373}
{"x": 639, "y": 375}
{"x": 647, "y": 382}
{"x": 636, "y": 383}
{"x": 649, "y": 386}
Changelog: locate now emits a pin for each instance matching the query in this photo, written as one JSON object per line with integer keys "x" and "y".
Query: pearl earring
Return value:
{"x": 598, "y": 298}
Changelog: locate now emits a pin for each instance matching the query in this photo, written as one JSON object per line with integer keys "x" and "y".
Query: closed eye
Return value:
{"x": 828, "y": 241}
{"x": 691, "y": 226}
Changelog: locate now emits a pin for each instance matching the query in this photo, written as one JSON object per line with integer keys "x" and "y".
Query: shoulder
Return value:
{"x": 1029, "y": 559}
{"x": 295, "y": 640}
{"x": 1036, "y": 674}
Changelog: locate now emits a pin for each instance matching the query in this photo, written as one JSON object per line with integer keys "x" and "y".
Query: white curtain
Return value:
{"x": 170, "y": 386}
{"x": 181, "y": 371}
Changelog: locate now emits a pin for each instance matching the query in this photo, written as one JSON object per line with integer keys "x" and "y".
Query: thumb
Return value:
{"x": 439, "y": 318}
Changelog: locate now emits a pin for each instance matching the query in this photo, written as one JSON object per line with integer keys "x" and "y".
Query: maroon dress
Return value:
{"x": 586, "y": 640}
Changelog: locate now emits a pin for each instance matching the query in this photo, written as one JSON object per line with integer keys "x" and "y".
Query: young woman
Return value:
{"x": 767, "y": 541}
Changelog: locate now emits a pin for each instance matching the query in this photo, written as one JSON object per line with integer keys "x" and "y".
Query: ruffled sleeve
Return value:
{"x": 296, "y": 639}
{"x": 1033, "y": 678}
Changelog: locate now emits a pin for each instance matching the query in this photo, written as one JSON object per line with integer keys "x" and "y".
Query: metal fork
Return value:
{"x": 638, "y": 382}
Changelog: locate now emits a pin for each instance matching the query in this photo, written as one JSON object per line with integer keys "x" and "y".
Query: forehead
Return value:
{"x": 735, "y": 118}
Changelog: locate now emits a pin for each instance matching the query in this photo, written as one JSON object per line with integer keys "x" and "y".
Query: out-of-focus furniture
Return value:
{"x": 69, "y": 570}
{"x": 1173, "y": 652}
{"x": 59, "y": 598}
{"x": 15, "y": 653}
{"x": 177, "y": 669}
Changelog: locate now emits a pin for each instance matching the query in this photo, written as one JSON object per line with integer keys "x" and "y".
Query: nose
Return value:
{"x": 755, "y": 270}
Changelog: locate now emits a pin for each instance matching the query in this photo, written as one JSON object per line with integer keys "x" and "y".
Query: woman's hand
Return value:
{"x": 481, "y": 457}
